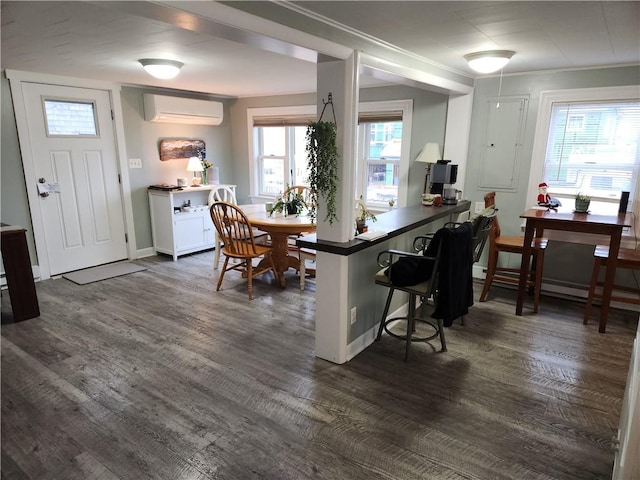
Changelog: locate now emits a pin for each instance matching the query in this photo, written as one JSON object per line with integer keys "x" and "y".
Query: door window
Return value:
{"x": 66, "y": 118}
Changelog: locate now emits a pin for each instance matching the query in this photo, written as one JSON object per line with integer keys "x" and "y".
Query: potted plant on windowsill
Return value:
{"x": 582, "y": 203}
{"x": 362, "y": 215}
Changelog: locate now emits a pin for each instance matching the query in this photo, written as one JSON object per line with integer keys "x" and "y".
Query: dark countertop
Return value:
{"x": 395, "y": 222}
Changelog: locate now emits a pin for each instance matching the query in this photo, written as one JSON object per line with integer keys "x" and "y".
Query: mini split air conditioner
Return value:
{"x": 164, "y": 109}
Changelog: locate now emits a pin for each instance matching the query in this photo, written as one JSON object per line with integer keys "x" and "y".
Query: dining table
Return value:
{"x": 540, "y": 219}
{"x": 280, "y": 227}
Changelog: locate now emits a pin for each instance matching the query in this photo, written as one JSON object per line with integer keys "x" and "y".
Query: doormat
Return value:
{"x": 97, "y": 274}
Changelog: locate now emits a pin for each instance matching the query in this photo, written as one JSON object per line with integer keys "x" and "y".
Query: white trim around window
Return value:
{"x": 547, "y": 100}
{"x": 405, "y": 106}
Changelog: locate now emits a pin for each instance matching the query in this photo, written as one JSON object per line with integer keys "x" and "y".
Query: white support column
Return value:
{"x": 340, "y": 77}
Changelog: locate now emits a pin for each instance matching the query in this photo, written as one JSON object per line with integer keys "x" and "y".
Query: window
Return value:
{"x": 383, "y": 152}
{"x": 589, "y": 142}
{"x": 277, "y": 146}
{"x": 70, "y": 118}
{"x": 379, "y": 147}
{"x": 281, "y": 158}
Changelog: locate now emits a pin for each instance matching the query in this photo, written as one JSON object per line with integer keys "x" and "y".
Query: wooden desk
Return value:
{"x": 17, "y": 267}
{"x": 611, "y": 225}
{"x": 280, "y": 227}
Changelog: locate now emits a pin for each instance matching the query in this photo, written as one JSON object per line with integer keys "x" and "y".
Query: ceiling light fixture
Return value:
{"x": 162, "y": 69}
{"x": 489, "y": 61}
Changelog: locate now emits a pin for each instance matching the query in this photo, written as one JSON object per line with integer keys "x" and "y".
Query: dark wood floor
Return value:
{"x": 155, "y": 375}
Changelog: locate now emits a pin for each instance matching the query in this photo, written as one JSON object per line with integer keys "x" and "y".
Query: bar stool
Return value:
{"x": 511, "y": 244}
{"x": 628, "y": 258}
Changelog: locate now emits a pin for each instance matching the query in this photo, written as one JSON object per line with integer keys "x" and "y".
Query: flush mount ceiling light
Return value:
{"x": 159, "y": 68}
{"x": 489, "y": 61}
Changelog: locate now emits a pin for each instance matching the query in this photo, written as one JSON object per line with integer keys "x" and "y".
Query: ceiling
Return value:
{"x": 242, "y": 49}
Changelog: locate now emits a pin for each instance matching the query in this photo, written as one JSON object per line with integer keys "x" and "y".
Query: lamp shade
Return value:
{"x": 194, "y": 165}
{"x": 489, "y": 61}
{"x": 430, "y": 153}
{"x": 162, "y": 69}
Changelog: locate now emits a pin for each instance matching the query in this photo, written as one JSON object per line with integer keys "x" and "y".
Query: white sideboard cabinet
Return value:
{"x": 176, "y": 230}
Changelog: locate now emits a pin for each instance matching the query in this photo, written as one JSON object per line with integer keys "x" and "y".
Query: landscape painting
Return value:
{"x": 178, "y": 149}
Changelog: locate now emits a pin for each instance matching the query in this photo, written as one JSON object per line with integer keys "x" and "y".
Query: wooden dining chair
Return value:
{"x": 223, "y": 193}
{"x": 511, "y": 244}
{"x": 629, "y": 259}
{"x": 306, "y": 253}
{"x": 236, "y": 233}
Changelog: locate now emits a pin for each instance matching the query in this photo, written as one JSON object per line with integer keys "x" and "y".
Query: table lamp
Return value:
{"x": 195, "y": 165}
{"x": 430, "y": 154}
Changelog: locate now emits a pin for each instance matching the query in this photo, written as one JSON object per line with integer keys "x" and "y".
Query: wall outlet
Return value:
{"x": 479, "y": 207}
{"x": 135, "y": 163}
{"x": 353, "y": 315}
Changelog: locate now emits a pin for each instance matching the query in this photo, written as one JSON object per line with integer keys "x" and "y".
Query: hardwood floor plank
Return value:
{"x": 157, "y": 375}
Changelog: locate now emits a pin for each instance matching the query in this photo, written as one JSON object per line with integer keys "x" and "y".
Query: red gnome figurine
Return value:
{"x": 543, "y": 197}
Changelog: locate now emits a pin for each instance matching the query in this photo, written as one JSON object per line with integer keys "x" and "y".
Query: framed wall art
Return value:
{"x": 179, "y": 149}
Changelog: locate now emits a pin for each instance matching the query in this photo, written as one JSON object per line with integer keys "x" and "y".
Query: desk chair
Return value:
{"x": 628, "y": 259}
{"x": 225, "y": 194}
{"x": 511, "y": 244}
{"x": 236, "y": 233}
{"x": 431, "y": 275}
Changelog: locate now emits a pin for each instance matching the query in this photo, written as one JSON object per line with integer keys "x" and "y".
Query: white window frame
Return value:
{"x": 406, "y": 106}
{"x": 254, "y": 163}
{"x": 547, "y": 99}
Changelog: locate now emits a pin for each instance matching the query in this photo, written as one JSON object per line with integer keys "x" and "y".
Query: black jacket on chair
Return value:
{"x": 455, "y": 282}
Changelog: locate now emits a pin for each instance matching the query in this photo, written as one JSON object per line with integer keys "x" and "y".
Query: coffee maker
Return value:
{"x": 443, "y": 172}
{"x": 450, "y": 196}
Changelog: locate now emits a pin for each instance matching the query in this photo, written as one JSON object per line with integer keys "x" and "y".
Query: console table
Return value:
{"x": 17, "y": 267}
{"x": 176, "y": 231}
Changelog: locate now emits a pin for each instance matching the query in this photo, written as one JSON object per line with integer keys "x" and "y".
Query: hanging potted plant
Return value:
{"x": 322, "y": 158}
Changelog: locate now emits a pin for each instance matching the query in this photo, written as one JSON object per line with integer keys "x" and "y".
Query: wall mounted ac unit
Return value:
{"x": 161, "y": 108}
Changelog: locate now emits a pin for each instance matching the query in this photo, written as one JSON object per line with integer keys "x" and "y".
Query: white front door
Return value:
{"x": 72, "y": 143}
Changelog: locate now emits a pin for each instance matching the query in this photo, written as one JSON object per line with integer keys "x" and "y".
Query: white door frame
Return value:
{"x": 16, "y": 78}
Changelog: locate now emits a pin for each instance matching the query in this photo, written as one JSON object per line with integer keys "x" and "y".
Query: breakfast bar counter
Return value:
{"x": 395, "y": 222}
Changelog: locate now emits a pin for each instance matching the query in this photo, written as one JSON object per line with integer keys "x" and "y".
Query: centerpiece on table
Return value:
{"x": 291, "y": 203}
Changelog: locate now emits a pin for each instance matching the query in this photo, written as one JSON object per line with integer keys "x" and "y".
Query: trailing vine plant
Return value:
{"x": 322, "y": 157}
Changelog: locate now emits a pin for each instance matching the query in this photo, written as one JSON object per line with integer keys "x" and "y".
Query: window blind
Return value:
{"x": 283, "y": 121}
{"x": 593, "y": 148}
{"x": 304, "y": 120}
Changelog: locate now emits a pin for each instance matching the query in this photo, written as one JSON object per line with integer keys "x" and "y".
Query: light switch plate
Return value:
{"x": 135, "y": 163}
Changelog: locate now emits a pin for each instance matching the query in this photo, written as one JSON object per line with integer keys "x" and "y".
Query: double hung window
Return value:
{"x": 277, "y": 146}
{"x": 384, "y": 137}
{"x": 278, "y": 142}
{"x": 379, "y": 148}
{"x": 281, "y": 158}
{"x": 589, "y": 143}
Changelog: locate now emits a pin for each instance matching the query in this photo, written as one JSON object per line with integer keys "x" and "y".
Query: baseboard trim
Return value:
{"x": 368, "y": 337}
{"x": 559, "y": 290}
{"x": 145, "y": 252}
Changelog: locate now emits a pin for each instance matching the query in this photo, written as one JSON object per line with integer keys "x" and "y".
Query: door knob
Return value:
{"x": 43, "y": 193}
